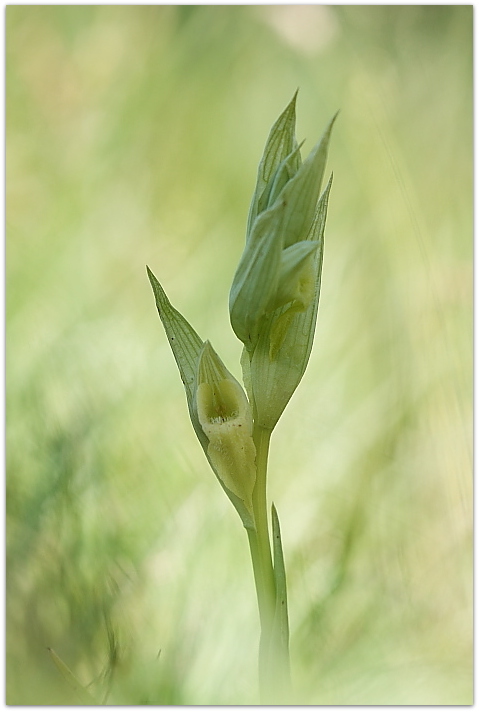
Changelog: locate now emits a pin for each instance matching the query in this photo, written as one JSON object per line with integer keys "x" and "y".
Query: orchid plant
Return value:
{"x": 273, "y": 306}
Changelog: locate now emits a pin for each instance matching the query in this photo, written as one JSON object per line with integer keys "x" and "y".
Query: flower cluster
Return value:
{"x": 275, "y": 293}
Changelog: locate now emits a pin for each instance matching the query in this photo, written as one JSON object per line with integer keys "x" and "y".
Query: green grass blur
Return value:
{"x": 133, "y": 138}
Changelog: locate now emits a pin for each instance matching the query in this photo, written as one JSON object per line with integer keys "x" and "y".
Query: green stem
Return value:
{"x": 261, "y": 438}
{"x": 259, "y": 580}
{"x": 262, "y": 562}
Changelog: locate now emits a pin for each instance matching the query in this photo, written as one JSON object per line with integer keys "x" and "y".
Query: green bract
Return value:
{"x": 212, "y": 395}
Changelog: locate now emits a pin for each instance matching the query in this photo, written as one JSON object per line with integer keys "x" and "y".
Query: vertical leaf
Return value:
{"x": 281, "y": 622}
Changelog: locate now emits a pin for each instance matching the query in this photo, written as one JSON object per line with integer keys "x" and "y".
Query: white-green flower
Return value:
{"x": 227, "y": 421}
{"x": 219, "y": 409}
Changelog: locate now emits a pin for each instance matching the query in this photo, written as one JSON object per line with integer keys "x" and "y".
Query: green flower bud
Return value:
{"x": 273, "y": 268}
{"x": 275, "y": 291}
{"x": 256, "y": 280}
{"x": 227, "y": 421}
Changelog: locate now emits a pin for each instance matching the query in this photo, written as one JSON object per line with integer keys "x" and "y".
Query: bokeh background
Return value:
{"x": 133, "y": 138}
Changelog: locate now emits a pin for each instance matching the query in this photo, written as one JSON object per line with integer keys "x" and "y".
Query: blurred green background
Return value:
{"x": 133, "y": 138}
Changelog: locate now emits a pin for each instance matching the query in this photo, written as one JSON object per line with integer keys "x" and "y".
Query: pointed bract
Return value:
{"x": 300, "y": 194}
{"x": 284, "y": 346}
{"x": 256, "y": 278}
{"x": 281, "y": 142}
{"x": 185, "y": 344}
